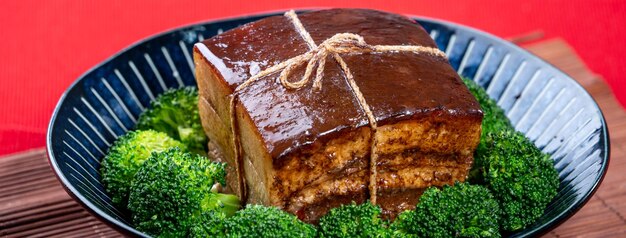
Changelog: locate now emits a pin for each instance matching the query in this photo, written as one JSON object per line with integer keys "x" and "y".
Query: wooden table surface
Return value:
{"x": 33, "y": 203}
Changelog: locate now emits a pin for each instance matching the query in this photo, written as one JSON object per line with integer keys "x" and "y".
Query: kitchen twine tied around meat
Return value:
{"x": 316, "y": 56}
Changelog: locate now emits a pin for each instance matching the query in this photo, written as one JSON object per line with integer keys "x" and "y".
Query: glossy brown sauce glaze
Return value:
{"x": 396, "y": 86}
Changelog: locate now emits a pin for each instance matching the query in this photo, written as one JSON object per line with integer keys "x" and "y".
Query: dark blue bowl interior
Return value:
{"x": 551, "y": 108}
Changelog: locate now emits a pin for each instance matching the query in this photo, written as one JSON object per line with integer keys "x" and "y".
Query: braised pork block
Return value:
{"x": 306, "y": 150}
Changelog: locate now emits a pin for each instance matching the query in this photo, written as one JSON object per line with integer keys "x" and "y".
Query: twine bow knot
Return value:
{"x": 339, "y": 43}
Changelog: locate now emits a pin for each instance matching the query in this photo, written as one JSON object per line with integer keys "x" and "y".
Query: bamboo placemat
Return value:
{"x": 33, "y": 203}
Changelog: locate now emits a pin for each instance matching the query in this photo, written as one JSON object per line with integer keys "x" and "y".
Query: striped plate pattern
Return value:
{"x": 551, "y": 108}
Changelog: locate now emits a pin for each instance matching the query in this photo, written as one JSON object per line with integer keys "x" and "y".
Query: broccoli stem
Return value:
{"x": 185, "y": 132}
{"x": 229, "y": 203}
{"x": 225, "y": 203}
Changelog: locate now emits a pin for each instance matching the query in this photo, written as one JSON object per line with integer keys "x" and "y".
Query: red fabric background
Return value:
{"x": 46, "y": 45}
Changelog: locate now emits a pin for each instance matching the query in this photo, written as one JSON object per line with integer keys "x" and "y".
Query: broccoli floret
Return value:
{"x": 175, "y": 112}
{"x": 262, "y": 221}
{"x": 173, "y": 188}
{"x": 494, "y": 118}
{"x": 126, "y": 156}
{"x": 520, "y": 176}
{"x": 209, "y": 224}
{"x": 353, "y": 220}
{"x": 462, "y": 210}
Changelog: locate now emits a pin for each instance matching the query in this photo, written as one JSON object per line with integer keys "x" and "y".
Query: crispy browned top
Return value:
{"x": 396, "y": 86}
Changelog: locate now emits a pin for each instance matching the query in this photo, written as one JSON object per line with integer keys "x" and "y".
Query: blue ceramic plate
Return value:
{"x": 541, "y": 101}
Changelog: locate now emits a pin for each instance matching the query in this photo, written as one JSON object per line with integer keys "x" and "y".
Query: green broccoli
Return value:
{"x": 209, "y": 224}
{"x": 126, "y": 156}
{"x": 262, "y": 221}
{"x": 520, "y": 176}
{"x": 494, "y": 118}
{"x": 462, "y": 210}
{"x": 173, "y": 189}
{"x": 175, "y": 112}
{"x": 353, "y": 220}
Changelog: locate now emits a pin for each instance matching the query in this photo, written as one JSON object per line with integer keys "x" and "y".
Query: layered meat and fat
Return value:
{"x": 307, "y": 150}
